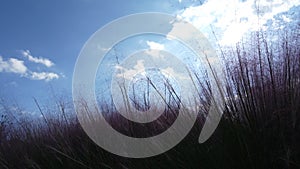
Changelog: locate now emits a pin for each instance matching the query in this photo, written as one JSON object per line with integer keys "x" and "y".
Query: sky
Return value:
{"x": 40, "y": 40}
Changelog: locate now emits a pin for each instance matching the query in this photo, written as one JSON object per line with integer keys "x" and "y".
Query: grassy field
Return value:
{"x": 260, "y": 128}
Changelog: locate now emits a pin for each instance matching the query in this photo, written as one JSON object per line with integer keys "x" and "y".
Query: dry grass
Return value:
{"x": 260, "y": 127}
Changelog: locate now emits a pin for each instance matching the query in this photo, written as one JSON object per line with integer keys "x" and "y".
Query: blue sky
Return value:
{"x": 40, "y": 40}
{"x": 34, "y": 33}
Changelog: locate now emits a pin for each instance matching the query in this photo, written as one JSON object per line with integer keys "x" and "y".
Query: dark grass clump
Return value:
{"x": 260, "y": 127}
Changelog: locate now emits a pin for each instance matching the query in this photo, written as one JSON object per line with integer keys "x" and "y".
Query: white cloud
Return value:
{"x": 16, "y": 66}
{"x": 12, "y": 65}
{"x": 154, "y": 49}
{"x": 40, "y": 60}
{"x": 234, "y": 18}
{"x": 130, "y": 73}
{"x": 155, "y": 45}
{"x": 154, "y": 54}
{"x": 47, "y": 76}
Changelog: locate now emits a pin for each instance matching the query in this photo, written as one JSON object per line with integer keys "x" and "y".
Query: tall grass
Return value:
{"x": 260, "y": 127}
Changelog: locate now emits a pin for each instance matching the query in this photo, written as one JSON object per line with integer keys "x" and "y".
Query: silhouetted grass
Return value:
{"x": 260, "y": 127}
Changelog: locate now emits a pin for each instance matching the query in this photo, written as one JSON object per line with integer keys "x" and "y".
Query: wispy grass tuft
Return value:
{"x": 260, "y": 127}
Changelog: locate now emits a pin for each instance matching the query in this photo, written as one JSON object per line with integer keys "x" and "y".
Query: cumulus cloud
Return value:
{"x": 12, "y": 65}
{"x": 154, "y": 49}
{"x": 39, "y": 60}
{"x": 47, "y": 76}
{"x": 155, "y": 45}
{"x": 233, "y": 18}
{"x": 130, "y": 73}
{"x": 140, "y": 68}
